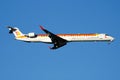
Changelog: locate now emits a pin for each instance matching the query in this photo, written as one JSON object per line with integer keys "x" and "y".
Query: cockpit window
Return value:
{"x": 106, "y": 34}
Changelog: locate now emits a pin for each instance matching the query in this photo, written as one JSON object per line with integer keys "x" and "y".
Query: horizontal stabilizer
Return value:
{"x": 11, "y": 30}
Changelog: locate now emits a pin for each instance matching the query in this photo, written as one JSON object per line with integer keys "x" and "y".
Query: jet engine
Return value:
{"x": 32, "y": 35}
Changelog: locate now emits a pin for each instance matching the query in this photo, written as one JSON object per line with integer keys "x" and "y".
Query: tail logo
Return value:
{"x": 18, "y": 33}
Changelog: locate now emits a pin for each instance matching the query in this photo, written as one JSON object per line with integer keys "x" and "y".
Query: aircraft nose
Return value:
{"x": 111, "y": 38}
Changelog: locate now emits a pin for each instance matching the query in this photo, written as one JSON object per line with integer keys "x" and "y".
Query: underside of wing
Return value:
{"x": 56, "y": 40}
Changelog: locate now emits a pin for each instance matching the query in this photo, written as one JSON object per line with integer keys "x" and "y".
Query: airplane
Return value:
{"x": 58, "y": 40}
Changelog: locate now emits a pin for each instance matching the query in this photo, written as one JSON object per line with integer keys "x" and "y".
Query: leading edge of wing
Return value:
{"x": 56, "y": 40}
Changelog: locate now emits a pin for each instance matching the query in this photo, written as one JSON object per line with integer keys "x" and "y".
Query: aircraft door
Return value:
{"x": 101, "y": 36}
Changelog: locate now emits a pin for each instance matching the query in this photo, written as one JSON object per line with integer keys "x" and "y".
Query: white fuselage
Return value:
{"x": 69, "y": 37}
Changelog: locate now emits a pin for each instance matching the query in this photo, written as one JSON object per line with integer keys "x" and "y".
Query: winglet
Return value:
{"x": 42, "y": 28}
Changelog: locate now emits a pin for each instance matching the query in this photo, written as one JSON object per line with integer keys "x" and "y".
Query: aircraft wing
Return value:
{"x": 56, "y": 40}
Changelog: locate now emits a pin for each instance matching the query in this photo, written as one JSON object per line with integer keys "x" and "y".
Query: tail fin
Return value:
{"x": 15, "y": 31}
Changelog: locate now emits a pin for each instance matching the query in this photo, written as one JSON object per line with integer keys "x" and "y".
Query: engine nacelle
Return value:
{"x": 32, "y": 35}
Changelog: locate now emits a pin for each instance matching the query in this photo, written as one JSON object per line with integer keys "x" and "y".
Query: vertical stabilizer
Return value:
{"x": 15, "y": 31}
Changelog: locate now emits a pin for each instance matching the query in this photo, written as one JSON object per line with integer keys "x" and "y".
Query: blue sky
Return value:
{"x": 75, "y": 61}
